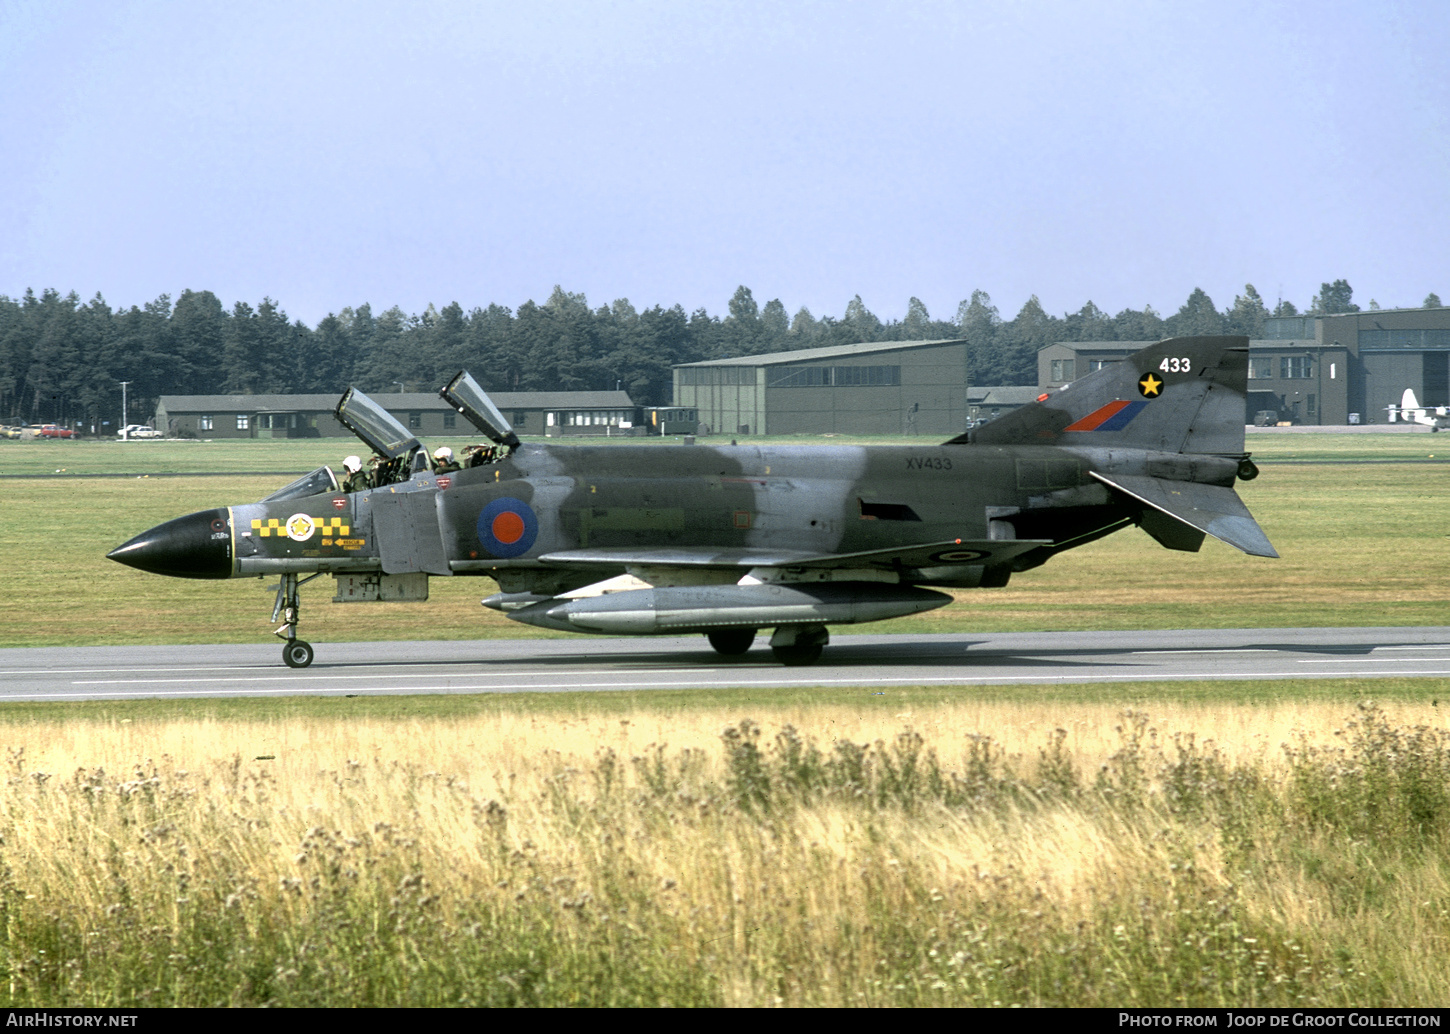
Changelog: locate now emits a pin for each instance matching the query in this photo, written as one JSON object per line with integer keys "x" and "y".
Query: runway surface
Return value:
{"x": 584, "y": 664}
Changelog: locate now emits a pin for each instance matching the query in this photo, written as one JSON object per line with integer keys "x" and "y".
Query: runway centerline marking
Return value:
{"x": 1369, "y": 660}
{"x": 1210, "y": 649}
{"x": 328, "y": 676}
{"x": 107, "y": 671}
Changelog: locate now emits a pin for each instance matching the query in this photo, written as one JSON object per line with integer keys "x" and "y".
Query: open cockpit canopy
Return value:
{"x": 375, "y": 425}
{"x": 464, "y": 394}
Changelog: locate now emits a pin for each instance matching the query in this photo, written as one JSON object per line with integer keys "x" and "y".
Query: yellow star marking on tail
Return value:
{"x": 1149, "y": 385}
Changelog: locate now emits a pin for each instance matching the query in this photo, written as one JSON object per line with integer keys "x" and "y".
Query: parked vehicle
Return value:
{"x": 139, "y": 431}
{"x": 54, "y": 431}
{"x": 12, "y": 432}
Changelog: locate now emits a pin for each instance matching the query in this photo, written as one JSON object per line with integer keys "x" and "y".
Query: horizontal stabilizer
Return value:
{"x": 927, "y": 554}
{"x": 1214, "y": 509}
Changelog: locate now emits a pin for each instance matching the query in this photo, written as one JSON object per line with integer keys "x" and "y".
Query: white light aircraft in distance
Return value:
{"x": 1436, "y": 418}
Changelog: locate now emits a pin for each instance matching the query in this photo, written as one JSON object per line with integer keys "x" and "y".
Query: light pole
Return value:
{"x": 124, "y": 436}
{"x": 400, "y": 385}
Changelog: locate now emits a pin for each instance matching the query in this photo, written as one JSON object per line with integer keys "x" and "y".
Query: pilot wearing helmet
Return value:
{"x": 478, "y": 455}
{"x": 357, "y": 480}
{"x": 443, "y": 462}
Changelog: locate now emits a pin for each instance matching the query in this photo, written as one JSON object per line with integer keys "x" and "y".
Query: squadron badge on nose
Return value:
{"x": 300, "y": 527}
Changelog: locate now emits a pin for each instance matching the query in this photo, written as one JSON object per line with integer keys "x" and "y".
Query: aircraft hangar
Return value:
{"x": 868, "y": 388}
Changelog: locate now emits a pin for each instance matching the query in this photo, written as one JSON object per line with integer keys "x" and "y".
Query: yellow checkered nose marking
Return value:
{"x": 275, "y": 527}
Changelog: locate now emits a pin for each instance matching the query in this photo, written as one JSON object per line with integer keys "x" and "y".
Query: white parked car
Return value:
{"x": 139, "y": 431}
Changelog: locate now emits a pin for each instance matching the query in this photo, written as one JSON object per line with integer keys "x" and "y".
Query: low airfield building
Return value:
{"x": 424, "y": 413}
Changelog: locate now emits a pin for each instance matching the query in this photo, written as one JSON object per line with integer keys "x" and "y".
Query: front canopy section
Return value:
{"x": 374, "y": 425}
{"x": 464, "y": 394}
{"x": 319, "y": 481}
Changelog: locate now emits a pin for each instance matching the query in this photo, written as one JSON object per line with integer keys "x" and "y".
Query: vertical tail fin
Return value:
{"x": 1184, "y": 394}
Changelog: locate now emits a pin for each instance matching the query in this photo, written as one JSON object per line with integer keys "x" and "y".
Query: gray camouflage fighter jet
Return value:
{"x": 727, "y": 540}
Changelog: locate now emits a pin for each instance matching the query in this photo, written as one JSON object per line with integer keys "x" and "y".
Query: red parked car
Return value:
{"x": 55, "y": 431}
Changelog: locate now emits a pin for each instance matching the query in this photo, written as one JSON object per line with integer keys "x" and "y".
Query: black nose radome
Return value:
{"x": 198, "y": 545}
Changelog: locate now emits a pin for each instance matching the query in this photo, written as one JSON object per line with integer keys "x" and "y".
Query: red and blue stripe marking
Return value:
{"x": 1113, "y": 417}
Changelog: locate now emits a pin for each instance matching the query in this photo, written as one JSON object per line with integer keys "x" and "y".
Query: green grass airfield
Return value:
{"x": 1210, "y": 843}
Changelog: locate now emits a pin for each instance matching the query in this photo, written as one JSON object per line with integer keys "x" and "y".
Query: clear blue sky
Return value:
{"x": 329, "y": 154}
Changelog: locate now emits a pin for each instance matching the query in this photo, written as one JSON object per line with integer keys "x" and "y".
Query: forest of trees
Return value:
{"x": 62, "y": 360}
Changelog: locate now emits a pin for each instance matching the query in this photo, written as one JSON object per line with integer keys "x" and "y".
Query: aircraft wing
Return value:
{"x": 1214, "y": 509}
{"x": 925, "y": 554}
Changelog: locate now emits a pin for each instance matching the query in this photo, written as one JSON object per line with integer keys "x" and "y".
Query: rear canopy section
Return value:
{"x": 464, "y": 394}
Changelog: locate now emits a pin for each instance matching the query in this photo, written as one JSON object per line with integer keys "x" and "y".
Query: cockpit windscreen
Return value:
{"x": 319, "y": 481}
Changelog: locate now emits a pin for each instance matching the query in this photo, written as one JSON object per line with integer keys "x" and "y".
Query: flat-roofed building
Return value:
{"x": 869, "y": 388}
{"x": 423, "y": 413}
{"x": 1391, "y": 350}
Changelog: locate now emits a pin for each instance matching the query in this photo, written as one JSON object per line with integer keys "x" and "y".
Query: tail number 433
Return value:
{"x": 1175, "y": 365}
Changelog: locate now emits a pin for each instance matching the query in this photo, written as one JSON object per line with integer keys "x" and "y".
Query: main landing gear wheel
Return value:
{"x": 798, "y": 655}
{"x": 796, "y": 646}
{"x": 731, "y": 642}
{"x": 297, "y": 654}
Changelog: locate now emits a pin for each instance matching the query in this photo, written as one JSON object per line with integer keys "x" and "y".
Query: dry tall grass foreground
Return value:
{"x": 961, "y": 854}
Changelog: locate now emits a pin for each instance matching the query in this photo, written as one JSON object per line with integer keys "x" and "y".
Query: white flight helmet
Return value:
{"x": 442, "y": 454}
{"x": 352, "y": 464}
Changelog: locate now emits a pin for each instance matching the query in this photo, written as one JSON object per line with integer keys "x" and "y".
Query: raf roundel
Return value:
{"x": 507, "y": 527}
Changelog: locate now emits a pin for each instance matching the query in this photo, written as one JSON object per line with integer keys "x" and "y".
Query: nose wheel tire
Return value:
{"x": 297, "y": 654}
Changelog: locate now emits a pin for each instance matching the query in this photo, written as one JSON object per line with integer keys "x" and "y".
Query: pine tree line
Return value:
{"x": 62, "y": 360}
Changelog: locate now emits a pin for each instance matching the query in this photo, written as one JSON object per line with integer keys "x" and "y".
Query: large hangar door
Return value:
{"x": 1436, "y": 379}
{"x": 406, "y": 528}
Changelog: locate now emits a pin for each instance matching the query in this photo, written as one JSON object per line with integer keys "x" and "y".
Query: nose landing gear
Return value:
{"x": 296, "y": 653}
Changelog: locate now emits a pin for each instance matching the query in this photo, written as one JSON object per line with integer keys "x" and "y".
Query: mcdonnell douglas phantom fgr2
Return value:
{"x": 727, "y": 540}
